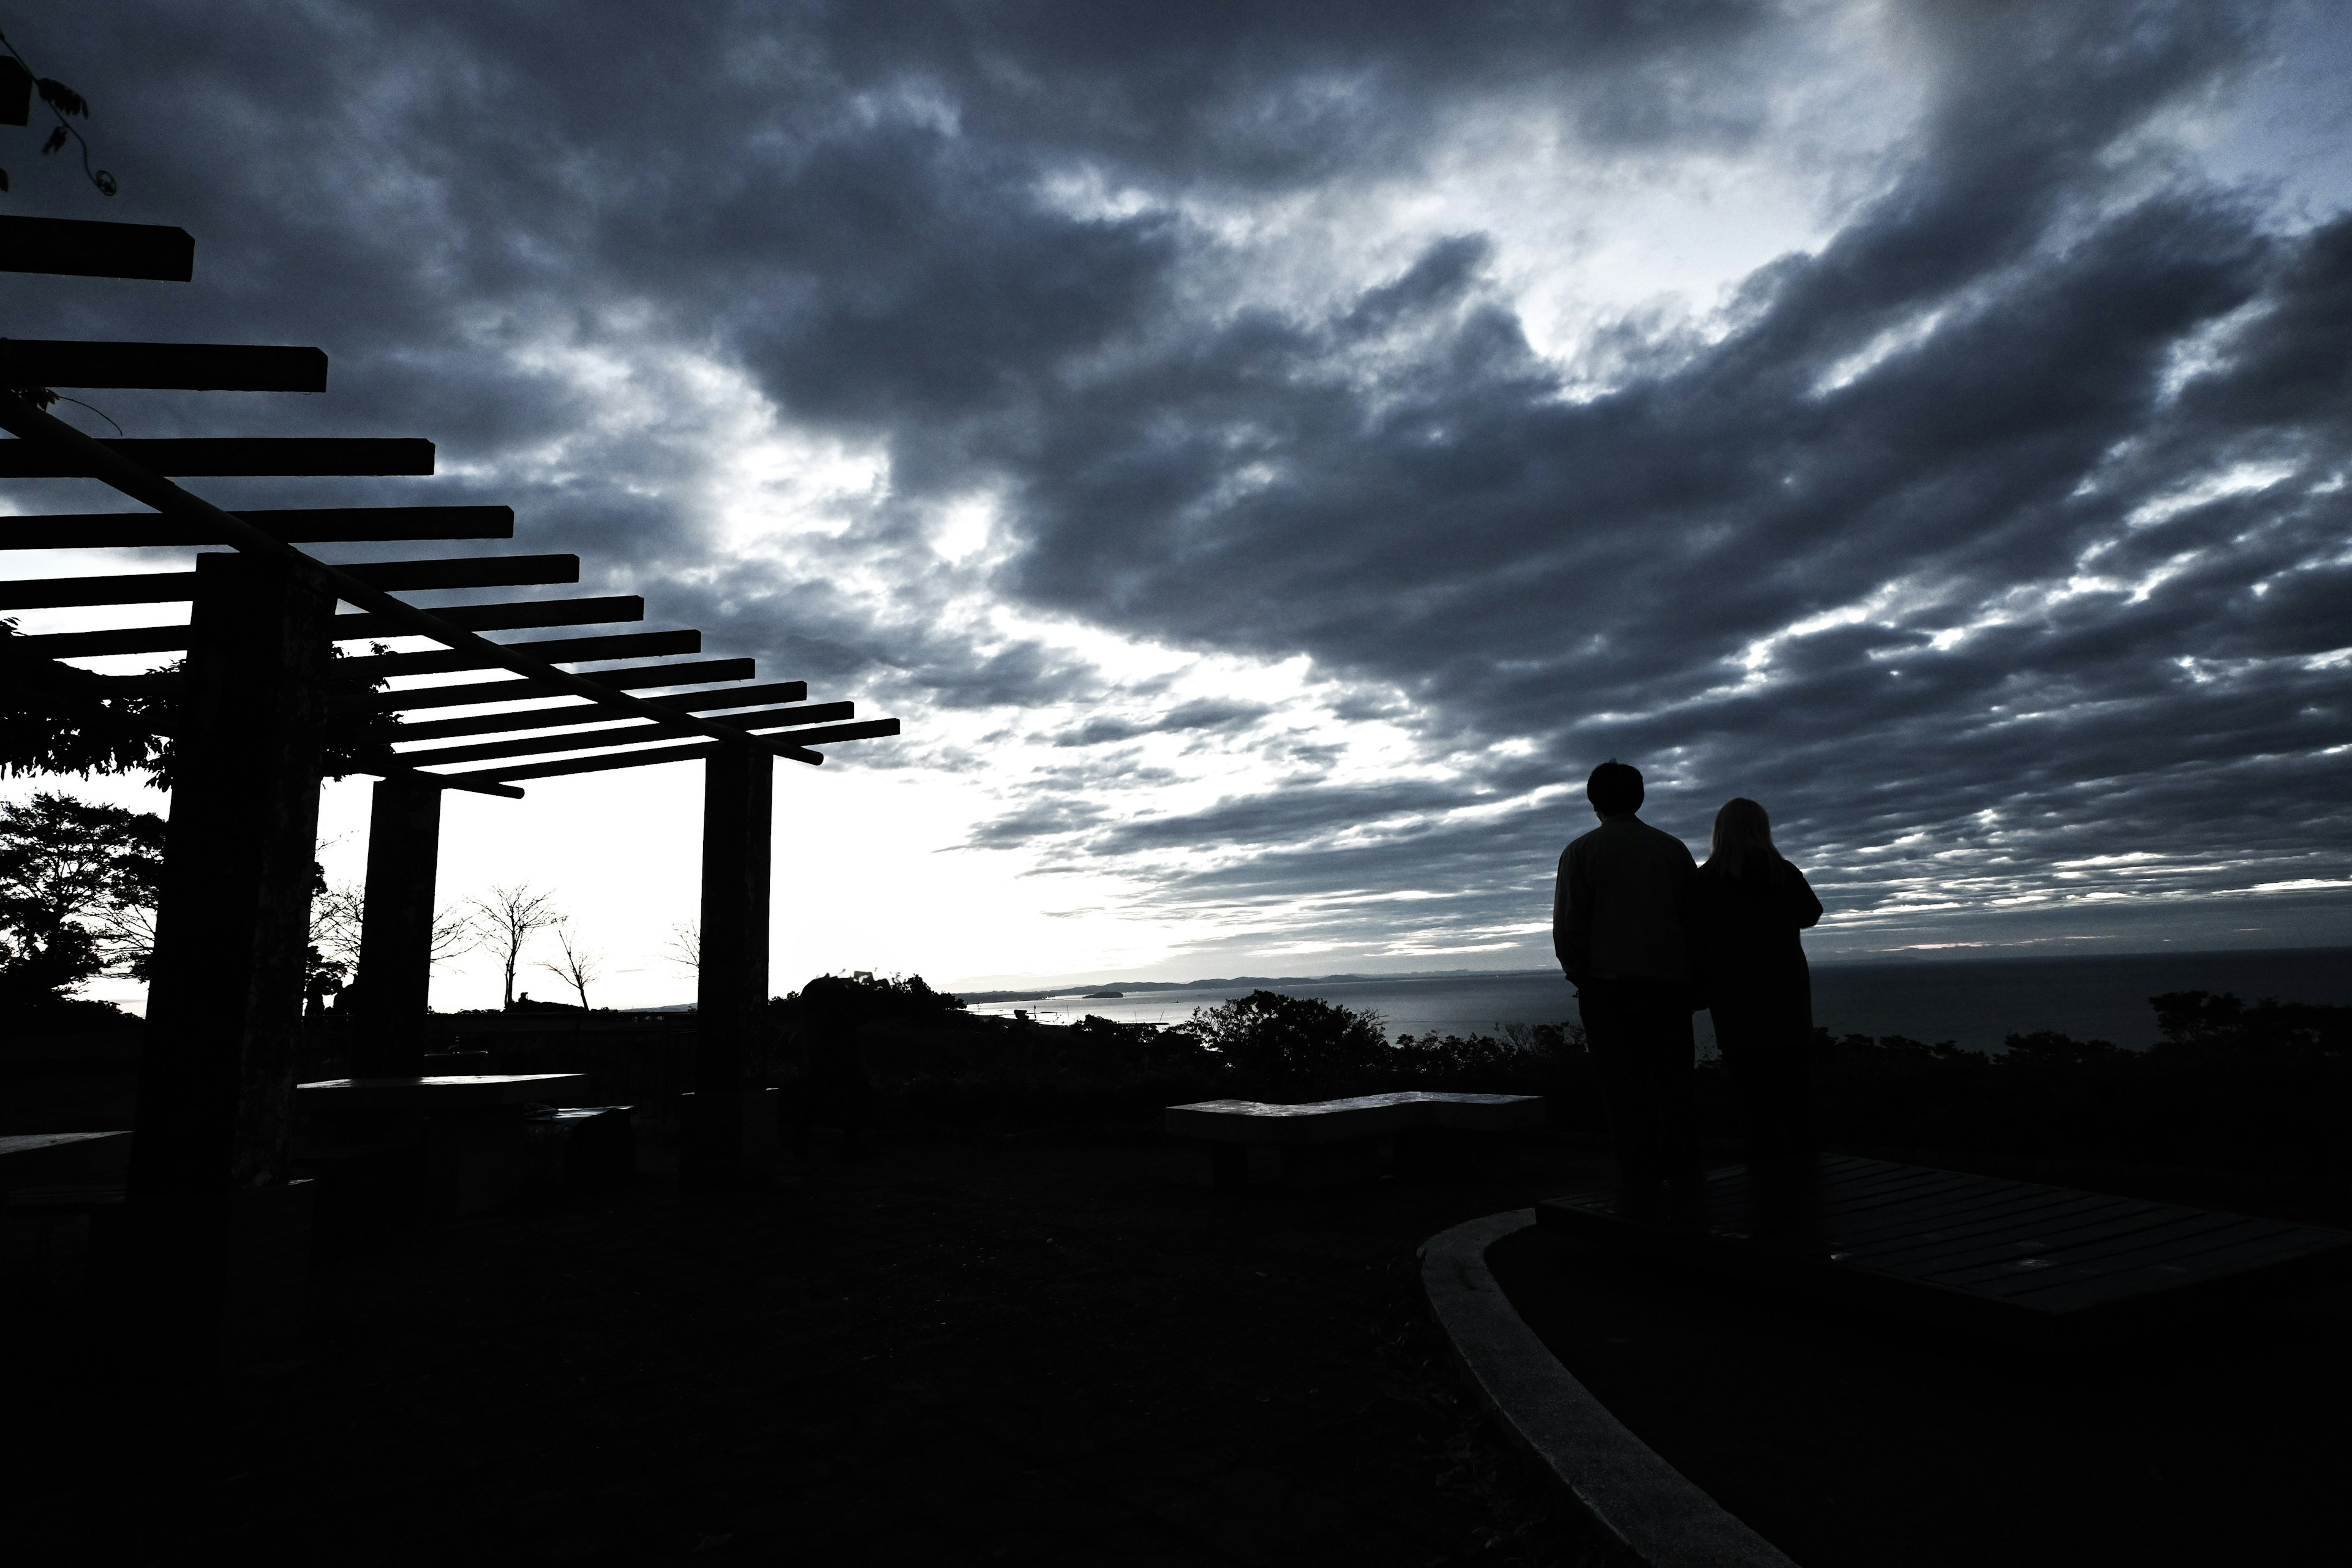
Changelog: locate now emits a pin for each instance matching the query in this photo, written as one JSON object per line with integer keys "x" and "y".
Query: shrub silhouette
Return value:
{"x": 1292, "y": 1045}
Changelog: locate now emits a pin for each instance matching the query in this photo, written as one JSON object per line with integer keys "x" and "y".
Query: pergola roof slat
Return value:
{"x": 277, "y": 456}
{"x": 166, "y": 587}
{"x": 161, "y": 367}
{"x": 625, "y": 735}
{"x": 607, "y": 762}
{"x": 76, "y": 248}
{"x": 297, "y": 525}
{"x": 347, "y": 628}
{"x": 544, "y": 718}
{"x": 865, "y": 729}
{"x": 833, "y": 734}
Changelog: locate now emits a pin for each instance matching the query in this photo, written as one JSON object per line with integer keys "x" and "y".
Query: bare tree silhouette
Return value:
{"x": 684, "y": 945}
{"x": 337, "y": 916}
{"x": 577, "y": 964}
{"x": 505, "y": 919}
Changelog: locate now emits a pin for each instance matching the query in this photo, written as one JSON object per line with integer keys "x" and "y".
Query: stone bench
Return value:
{"x": 1336, "y": 1140}
{"x": 581, "y": 1148}
{"x": 52, "y": 1185}
{"x": 63, "y": 1159}
{"x": 456, "y": 1142}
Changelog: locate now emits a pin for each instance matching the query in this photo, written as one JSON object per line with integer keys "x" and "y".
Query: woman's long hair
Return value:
{"x": 1742, "y": 836}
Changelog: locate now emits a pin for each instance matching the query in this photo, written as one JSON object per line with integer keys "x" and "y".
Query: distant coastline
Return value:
{"x": 1970, "y": 954}
{"x": 1095, "y": 988}
{"x": 1974, "y": 998}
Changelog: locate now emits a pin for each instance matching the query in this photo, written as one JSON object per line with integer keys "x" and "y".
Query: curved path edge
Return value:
{"x": 1635, "y": 1496}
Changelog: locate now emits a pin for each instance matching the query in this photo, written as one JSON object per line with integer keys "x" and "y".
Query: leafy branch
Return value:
{"x": 65, "y": 105}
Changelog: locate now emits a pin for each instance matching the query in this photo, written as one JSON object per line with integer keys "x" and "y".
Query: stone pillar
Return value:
{"x": 396, "y": 937}
{"x": 727, "y": 1131}
{"x": 201, "y": 1254}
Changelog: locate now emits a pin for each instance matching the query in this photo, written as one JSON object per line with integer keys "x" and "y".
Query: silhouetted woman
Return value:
{"x": 1752, "y": 903}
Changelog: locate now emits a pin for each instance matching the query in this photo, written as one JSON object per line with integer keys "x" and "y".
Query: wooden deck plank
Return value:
{"x": 1966, "y": 1207}
{"x": 2221, "y": 1264}
{"x": 2181, "y": 1246}
{"x": 1960, "y": 1248}
{"x": 1992, "y": 1262}
{"x": 1856, "y": 1200}
{"x": 2050, "y": 1226}
{"x": 2116, "y": 1237}
{"x": 2227, "y": 1265}
{"x": 1957, "y": 1235}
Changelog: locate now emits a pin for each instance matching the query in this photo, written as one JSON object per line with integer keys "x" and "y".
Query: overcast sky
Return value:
{"x": 1267, "y": 454}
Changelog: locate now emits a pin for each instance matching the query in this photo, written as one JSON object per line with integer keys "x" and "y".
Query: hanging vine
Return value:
{"x": 67, "y": 106}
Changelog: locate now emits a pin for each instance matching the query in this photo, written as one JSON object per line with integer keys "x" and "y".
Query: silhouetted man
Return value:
{"x": 1620, "y": 924}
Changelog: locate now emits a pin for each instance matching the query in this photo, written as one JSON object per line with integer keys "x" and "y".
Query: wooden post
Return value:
{"x": 203, "y": 1251}
{"x": 727, "y": 1130}
{"x": 396, "y": 932}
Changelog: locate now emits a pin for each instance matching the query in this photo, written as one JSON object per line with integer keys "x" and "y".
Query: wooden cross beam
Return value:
{"x": 625, "y": 735}
{"x": 348, "y": 628}
{"x": 628, "y": 677}
{"x": 161, "y": 367}
{"x": 278, "y": 457}
{"x": 75, "y": 248}
{"x": 294, "y": 525}
{"x": 544, "y": 718}
{"x": 167, "y": 587}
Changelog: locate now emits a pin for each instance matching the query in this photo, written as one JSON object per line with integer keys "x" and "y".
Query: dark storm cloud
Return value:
{"x": 1207, "y": 713}
{"x": 1922, "y": 542}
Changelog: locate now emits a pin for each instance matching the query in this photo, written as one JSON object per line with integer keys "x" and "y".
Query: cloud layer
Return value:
{"x": 1280, "y": 449}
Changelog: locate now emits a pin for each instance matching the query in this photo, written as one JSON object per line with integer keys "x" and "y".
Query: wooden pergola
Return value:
{"x": 261, "y": 696}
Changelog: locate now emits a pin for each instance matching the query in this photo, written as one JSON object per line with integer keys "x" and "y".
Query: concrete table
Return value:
{"x": 1334, "y": 1140}
{"x": 455, "y": 1142}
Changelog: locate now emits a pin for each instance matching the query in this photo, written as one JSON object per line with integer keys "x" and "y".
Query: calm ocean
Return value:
{"x": 1972, "y": 1001}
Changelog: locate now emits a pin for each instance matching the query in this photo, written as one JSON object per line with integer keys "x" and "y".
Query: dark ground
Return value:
{"x": 1005, "y": 1351}
{"x": 988, "y": 1351}
{"x": 1850, "y": 1441}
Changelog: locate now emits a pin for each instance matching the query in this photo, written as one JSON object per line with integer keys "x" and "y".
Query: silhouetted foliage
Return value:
{"x": 56, "y": 719}
{"x": 2196, "y": 1020}
{"x": 75, "y": 880}
{"x": 59, "y": 719}
{"x": 867, "y": 998}
{"x": 1291, "y": 1043}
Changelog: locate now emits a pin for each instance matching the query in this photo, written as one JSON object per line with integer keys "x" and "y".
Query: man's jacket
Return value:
{"x": 1622, "y": 908}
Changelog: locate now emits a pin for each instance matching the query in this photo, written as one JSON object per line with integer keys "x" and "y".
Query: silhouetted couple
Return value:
{"x": 1647, "y": 937}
